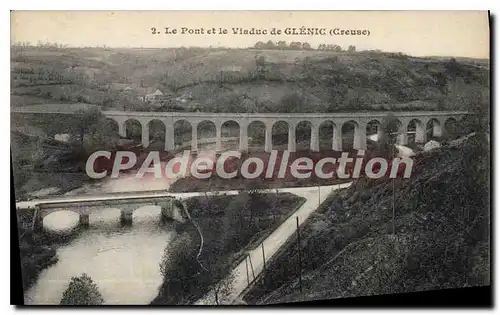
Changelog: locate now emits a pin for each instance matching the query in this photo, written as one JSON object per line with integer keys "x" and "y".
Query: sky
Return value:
{"x": 417, "y": 33}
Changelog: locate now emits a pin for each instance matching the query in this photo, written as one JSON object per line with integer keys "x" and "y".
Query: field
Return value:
{"x": 245, "y": 80}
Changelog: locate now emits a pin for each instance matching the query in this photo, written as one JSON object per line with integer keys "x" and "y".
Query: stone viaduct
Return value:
{"x": 360, "y": 120}
{"x": 421, "y": 122}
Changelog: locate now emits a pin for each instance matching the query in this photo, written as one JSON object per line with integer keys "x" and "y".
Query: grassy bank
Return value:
{"x": 38, "y": 250}
{"x": 230, "y": 225}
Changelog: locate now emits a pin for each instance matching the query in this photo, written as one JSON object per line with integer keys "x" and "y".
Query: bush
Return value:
{"x": 82, "y": 291}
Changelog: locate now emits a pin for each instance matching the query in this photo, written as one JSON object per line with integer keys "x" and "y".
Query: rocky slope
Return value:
{"x": 441, "y": 235}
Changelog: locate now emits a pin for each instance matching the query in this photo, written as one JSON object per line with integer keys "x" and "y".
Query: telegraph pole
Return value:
{"x": 393, "y": 192}
{"x": 319, "y": 196}
{"x": 300, "y": 258}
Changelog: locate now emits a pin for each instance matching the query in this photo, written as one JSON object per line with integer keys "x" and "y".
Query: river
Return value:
{"x": 122, "y": 261}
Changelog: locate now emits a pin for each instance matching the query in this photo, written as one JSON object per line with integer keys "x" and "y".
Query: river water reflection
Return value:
{"x": 123, "y": 261}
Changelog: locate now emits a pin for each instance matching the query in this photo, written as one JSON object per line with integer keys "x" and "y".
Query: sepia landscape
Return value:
{"x": 154, "y": 240}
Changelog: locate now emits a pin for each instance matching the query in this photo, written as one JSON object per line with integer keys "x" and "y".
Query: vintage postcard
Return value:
{"x": 249, "y": 157}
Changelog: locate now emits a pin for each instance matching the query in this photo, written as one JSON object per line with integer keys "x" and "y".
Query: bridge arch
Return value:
{"x": 133, "y": 129}
{"x": 109, "y": 215}
{"x": 434, "y": 129}
{"x": 157, "y": 133}
{"x": 280, "y": 133}
{"x": 46, "y": 212}
{"x": 183, "y": 132}
{"x": 256, "y": 132}
{"x": 350, "y": 132}
{"x": 230, "y": 130}
{"x": 303, "y": 132}
{"x": 328, "y": 135}
{"x": 401, "y": 132}
{"x": 146, "y": 212}
{"x": 206, "y": 132}
{"x": 45, "y": 216}
{"x": 416, "y": 131}
{"x": 373, "y": 130}
{"x": 451, "y": 128}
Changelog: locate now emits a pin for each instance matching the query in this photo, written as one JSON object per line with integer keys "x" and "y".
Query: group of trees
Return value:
{"x": 283, "y": 45}
{"x": 31, "y": 76}
{"x": 87, "y": 127}
{"x": 39, "y": 44}
{"x": 336, "y": 48}
{"x": 190, "y": 272}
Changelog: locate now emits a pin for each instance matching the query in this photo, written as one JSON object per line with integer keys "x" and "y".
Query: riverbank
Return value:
{"x": 229, "y": 226}
{"x": 38, "y": 251}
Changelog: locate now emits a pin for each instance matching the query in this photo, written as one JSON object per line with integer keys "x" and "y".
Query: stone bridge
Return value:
{"x": 421, "y": 122}
{"x": 170, "y": 208}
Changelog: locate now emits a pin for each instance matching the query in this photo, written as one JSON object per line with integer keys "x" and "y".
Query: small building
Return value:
{"x": 155, "y": 96}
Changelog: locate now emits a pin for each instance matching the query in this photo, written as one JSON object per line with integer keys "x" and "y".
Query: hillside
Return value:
{"x": 246, "y": 79}
{"x": 441, "y": 240}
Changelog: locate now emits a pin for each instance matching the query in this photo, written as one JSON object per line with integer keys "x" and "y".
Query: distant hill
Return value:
{"x": 246, "y": 79}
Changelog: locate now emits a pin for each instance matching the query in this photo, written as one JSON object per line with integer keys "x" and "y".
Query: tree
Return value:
{"x": 179, "y": 258}
{"x": 179, "y": 266}
{"x": 259, "y": 45}
{"x": 351, "y": 49}
{"x": 337, "y": 48}
{"x": 82, "y": 291}
{"x": 91, "y": 123}
{"x": 84, "y": 121}
{"x": 295, "y": 45}
{"x": 260, "y": 64}
{"x": 282, "y": 44}
{"x": 270, "y": 45}
{"x": 306, "y": 46}
{"x": 292, "y": 103}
